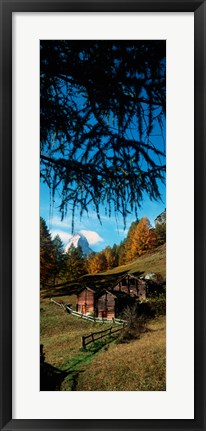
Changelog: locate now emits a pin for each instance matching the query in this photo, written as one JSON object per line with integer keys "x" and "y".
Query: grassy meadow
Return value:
{"x": 106, "y": 365}
{"x": 153, "y": 261}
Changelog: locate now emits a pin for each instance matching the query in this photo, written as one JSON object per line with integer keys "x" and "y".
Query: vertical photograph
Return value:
{"x": 102, "y": 215}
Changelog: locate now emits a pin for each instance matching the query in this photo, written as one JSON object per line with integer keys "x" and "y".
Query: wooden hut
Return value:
{"x": 106, "y": 305}
{"x": 112, "y": 304}
{"x": 85, "y": 301}
{"x": 132, "y": 286}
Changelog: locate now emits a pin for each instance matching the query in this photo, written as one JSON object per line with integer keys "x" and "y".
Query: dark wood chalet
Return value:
{"x": 106, "y": 305}
{"x": 112, "y": 304}
{"x": 132, "y": 286}
{"x": 85, "y": 301}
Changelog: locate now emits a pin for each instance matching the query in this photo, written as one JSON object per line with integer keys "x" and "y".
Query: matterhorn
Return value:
{"x": 79, "y": 240}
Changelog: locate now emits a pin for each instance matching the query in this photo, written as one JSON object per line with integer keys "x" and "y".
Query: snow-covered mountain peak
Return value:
{"x": 79, "y": 240}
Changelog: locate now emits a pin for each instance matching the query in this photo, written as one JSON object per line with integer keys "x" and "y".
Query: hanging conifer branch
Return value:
{"x": 101, "y": 102}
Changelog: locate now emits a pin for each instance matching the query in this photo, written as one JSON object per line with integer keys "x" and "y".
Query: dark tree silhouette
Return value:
{"x": 102, "y": 102}
{"x": 59, "y": 258}
{"x": 75, "y": 262}
{"x": 47, "y": 260}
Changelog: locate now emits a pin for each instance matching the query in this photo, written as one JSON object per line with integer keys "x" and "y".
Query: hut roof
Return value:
{"x": 124, "y": 276}
{"x": 99, "y": 290}
{"x": 85, "y": 287}
{"x": 119, "y": 295}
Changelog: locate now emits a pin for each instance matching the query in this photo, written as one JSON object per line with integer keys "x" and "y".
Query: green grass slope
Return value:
{"x": 155, "y": 261}
{"x": 139, "y": 365}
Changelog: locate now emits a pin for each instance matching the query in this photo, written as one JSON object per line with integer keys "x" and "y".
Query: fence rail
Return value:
{"x": 86, "y": 317}
{"x": 92, "y": 337}
{"x": 77, "y": 314}
{"x": 59, "y": 303}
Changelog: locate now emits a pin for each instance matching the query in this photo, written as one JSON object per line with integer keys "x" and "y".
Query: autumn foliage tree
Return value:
{"x": 97, "y": 262}
{"x": 125, "y": 246}
{"x": 143, "y": 239}
{"x": 140, "y": 239}
{"x": 108, "y": 258}
{"x": 111, "y": 256}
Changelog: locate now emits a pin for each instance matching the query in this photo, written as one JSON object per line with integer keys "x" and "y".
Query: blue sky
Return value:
{"x": 99, "y": 236}
{"x": 112, "y": 229}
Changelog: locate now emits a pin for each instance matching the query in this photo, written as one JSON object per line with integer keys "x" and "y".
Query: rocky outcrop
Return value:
{"x": 161, "y": 218}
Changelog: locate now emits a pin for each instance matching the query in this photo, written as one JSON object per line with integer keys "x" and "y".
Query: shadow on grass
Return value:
{"x": 54, "y": 379}
{"x": 51, "y": 377}
{"x": 95, "y": 281}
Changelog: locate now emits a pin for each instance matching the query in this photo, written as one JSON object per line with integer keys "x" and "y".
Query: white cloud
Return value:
{"x": 91, "y": 236}
{"x": 65, "y": 236}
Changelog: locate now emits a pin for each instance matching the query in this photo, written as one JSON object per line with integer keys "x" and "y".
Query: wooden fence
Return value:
{"x": 77, "y": 314}
{"x": 59, "y": 303}
{"x": 66, "y": 307}
{"x": 92, "y": 337}
{"x": 95, "y": 319}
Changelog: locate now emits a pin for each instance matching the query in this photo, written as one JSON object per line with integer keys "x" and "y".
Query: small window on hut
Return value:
{"x": 132, "y": 282}
{"x": 124, "y": 282}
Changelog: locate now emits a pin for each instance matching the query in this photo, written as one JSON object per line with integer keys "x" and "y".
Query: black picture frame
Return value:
{"x": 7, "y": 8}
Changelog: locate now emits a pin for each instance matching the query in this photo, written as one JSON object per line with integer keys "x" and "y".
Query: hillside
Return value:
{"x": 154, "y": 261}
{"x": 101, "y": 367}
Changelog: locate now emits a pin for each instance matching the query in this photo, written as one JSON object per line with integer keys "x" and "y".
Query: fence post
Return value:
{"x": 83, "y": 342}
